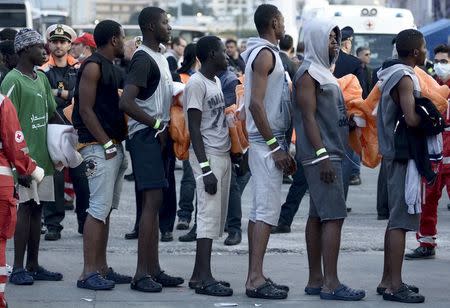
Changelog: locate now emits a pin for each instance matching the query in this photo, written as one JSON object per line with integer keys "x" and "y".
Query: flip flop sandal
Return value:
{"x": 404, "y": 295}
{"x": 168, "y": 281}
{"x": 21, "y": 277}
{"x": 214, "y": 288}
{"x": 343, "y": 293}
{"x": 381, "y": 290}
{"x": 312, "y": 291}
{"x": 116, "y": 277}
{"x": 278, "y": 286}
{"x": 266, "y": 291}
{"x": 195, "y": 284}
{"x": 45, "y": 275}
{"x": 95, "y": 282}
{"x": 146, "y": 284}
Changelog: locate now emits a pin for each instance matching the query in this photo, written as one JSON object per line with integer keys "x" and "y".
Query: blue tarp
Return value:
{"x": 435, "y": 34}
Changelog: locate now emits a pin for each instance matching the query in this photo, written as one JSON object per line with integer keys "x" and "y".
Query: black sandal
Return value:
{"x": 168, "y": 281}
{"x": 214, "y": 288}
{"x": 404, "y": 295}
{"x": 146, "y": 284}
{"x": 381, "y": 290}
{"x": 278, "y": 286}
{"x": 195, "y": 284}
{"x": 266, "y": 291}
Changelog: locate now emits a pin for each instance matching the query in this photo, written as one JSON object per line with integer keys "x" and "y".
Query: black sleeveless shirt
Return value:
{"x": 106, "y": 106}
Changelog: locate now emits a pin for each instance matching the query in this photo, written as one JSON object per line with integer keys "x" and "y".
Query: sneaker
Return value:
{"x": 134, "y": 234}
{"x": 281, "y": 229}
{"x": 355, "y": 180}
{"x": 166, "y": 237}
{"x": 191, "y": 236}
{"x": 183, "y": 224}
{"x": 421, "y": 253}
{"x": 129, "y": 177}
{"x": 52, "y": 235}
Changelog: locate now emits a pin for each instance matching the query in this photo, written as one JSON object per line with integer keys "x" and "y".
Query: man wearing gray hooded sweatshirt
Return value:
{"x": 267, "y": 103}
{"x": 321, "y": 124}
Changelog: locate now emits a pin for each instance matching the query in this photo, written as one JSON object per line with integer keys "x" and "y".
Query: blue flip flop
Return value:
{"x": 343, "y": 293}
{"x": 96, "y": 282}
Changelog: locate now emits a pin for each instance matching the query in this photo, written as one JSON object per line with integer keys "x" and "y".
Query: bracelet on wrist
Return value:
{"x": 204, "y": 164}
{"x": 157, "y": 124}
{"x": 321, "y": 151}
{"x": 271, "y": 141}
{"x": 108, "y": 144}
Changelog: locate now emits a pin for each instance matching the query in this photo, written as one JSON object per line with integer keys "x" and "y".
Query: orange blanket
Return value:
{"x": 364, "y": 140}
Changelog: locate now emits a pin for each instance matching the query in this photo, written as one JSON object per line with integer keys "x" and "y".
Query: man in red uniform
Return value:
{"x": 13, "y": 149}
{"x": 428, "y": 220}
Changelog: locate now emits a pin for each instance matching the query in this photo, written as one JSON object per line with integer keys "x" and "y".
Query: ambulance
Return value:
{"x": 374, "y": 26}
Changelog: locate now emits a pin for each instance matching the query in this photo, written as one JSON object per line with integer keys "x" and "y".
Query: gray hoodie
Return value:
{"x": 277, "y": 96}
{"x": 331, "y": 115}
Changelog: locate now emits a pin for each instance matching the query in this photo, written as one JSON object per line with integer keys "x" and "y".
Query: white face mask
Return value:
{"x": 442, "y": 70}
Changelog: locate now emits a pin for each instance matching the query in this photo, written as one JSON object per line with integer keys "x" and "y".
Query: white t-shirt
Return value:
{"x": 206, "y": 95}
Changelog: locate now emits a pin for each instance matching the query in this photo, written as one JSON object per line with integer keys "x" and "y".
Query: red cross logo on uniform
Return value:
{"x": 370, "y": 25}
{"x": 19, "y": 136}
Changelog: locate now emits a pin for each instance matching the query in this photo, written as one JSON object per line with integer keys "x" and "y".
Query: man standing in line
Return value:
{"x": 146, "y": 99}
{"x": 399, "y": 88}
{"x": 267, "y": 103}
{"x": 204, "y": 105}
{"x": 320, "y": 119}
{"x": 31, "y": 94}
{"x": 234, "y": 58}
{"x": 61, "y": 71}
{"x": 101, "y": 129}
{"x": 175, "y": 53}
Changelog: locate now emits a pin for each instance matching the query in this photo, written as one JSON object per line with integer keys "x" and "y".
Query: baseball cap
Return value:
{"x": 85, "y": 39}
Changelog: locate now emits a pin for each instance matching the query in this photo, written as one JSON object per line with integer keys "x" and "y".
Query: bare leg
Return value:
{"x": 101, "y": 260}
{"x": 22, "y": 233}
{"x": 260, "y": 239}
{"x": 313, "y": 235}
{"x": 148, "y": 241}
{"x": 396, "y": 254}
{"x": 386, "y": 279}
{"x": 93, "y": 244}
{"x": 34, "y": 238}
{"x": 202, "y": 268}
{"x": 331, "y": 242}
{"x": 250, "y": 230}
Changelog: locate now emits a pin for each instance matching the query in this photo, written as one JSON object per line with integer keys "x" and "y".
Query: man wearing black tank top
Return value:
{"x": 101, "y": 129}
{"x": 146, "y": 99}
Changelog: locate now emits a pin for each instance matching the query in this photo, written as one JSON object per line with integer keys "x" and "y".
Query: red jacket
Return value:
{"x": 446, "y": 134}
{"x": 13, "y": 149}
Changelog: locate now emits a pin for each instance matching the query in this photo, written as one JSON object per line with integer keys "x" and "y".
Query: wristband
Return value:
{"x": 159, "y": 131}
{"x": 204, "y": 164}
{"x": 111, "y": 150}
{"x": 273, "y": 151}
{"x": 271, "y": 141}
{"x": 108, "y": 144}
{"x": 320, "y": 159}
{"x": 203, "y": 175}
{"x": 321, "y": 151}
{"x": 157, "y": 124}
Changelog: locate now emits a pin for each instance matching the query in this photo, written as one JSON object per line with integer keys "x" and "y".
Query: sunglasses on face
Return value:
{"x": 442, "y": 61}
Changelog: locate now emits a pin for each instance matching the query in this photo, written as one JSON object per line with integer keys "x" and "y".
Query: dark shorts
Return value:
{"x": 399, "y": 218}
{"x": 148, "y": 165}
{"x": 327, "y": 201}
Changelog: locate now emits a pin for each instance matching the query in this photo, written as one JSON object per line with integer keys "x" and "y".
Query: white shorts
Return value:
{"x": 266, "y": 183}
{"x": 212, "y": 209}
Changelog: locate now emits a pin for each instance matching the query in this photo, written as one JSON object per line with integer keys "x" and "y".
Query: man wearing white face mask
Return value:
{"x": 427, "y": 233}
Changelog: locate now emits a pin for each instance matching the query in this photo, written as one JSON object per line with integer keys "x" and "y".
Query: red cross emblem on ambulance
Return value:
{"x": 370, "y": 25}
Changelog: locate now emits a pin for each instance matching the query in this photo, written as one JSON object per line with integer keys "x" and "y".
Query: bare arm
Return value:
{"x": 88, "y": 89}
{"x": 128, "y": 105}
{"x": 305, "y": 98}
{"x": 262, "y": 65}
{"x": 404, "y": 95}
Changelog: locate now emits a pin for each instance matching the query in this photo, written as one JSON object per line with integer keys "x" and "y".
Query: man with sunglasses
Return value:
{"x": 363, "y": 54}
